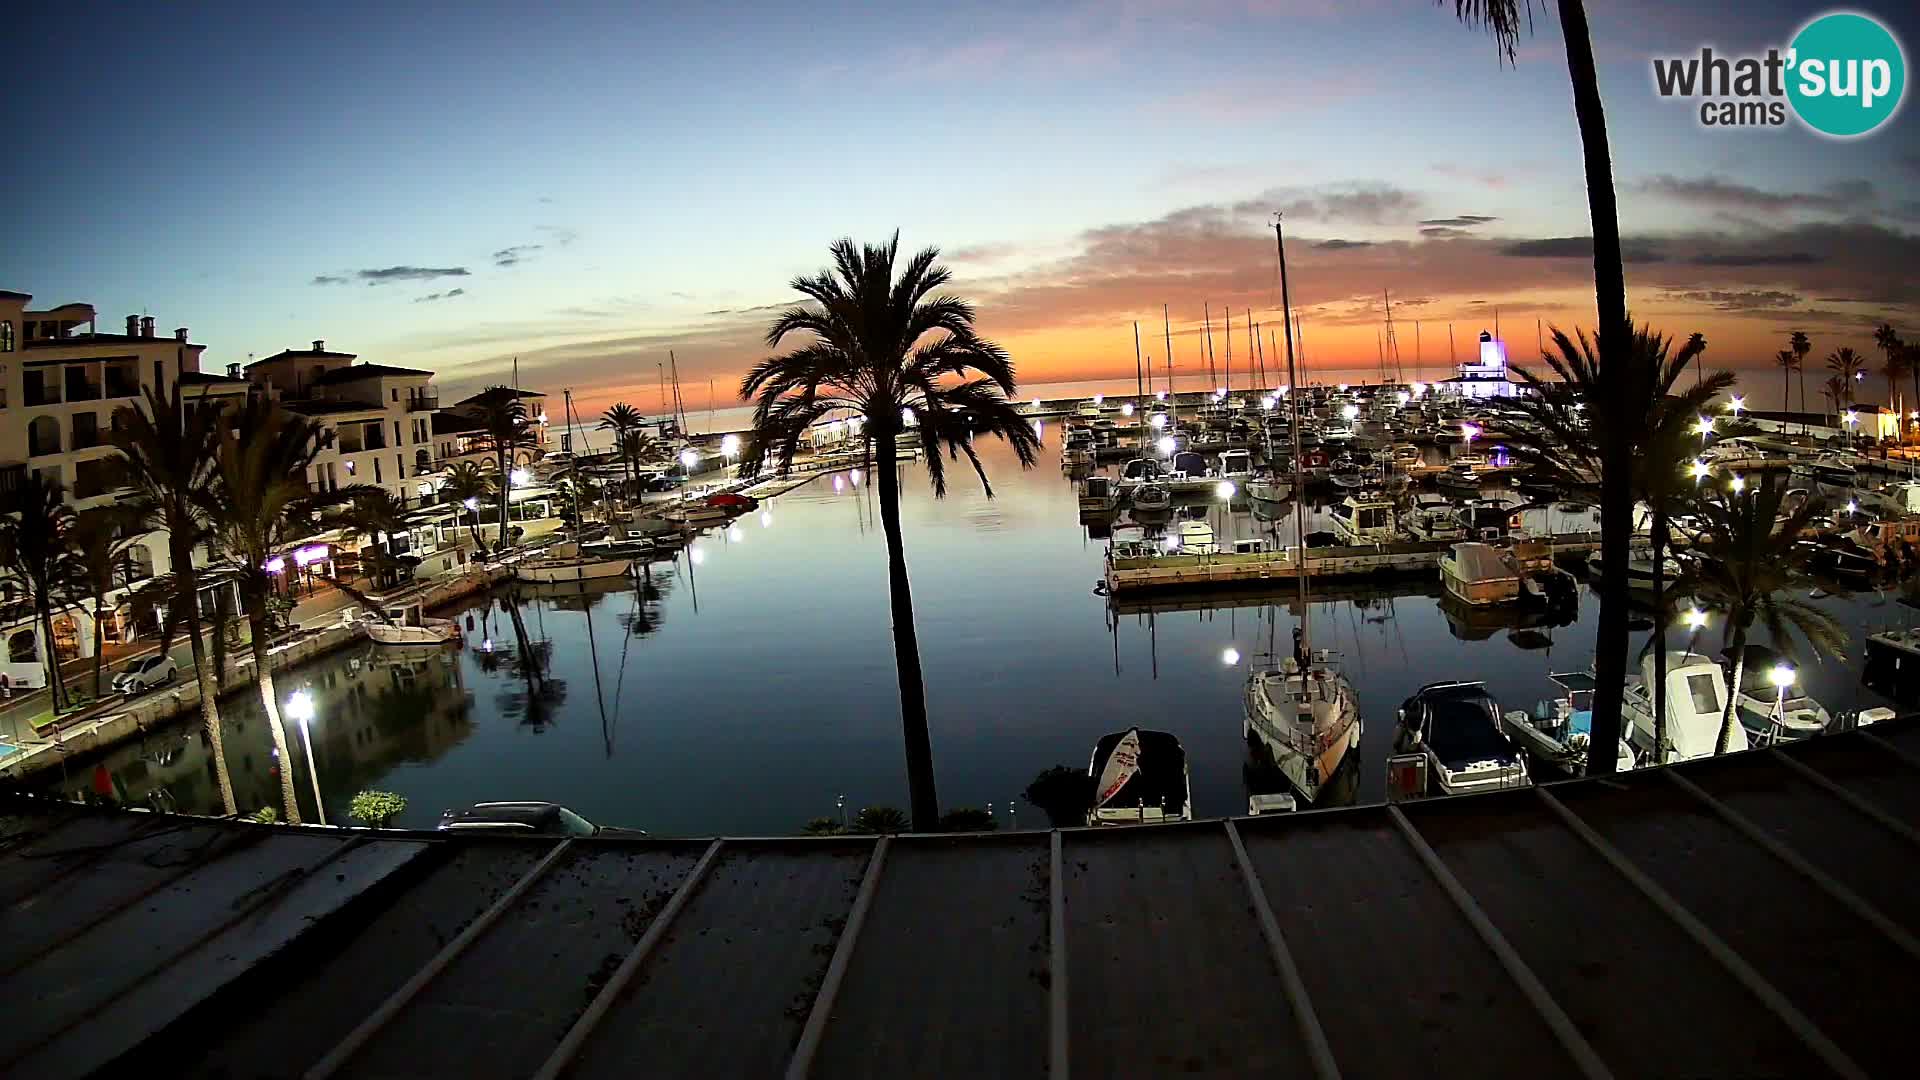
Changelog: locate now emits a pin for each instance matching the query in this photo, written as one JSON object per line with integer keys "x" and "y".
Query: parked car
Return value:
{"x": 145, "y": 673}
{"x": 660, "y": 483}
{"x": 534, "y": 818}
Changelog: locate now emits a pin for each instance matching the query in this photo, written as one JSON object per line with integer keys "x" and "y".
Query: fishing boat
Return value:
{"x": 1300, "y": 712}
{"x": 1695, "y": 702}
{"x": 1770, "y": 701}
{"x": 1480, "y": 574}
{"x": 1366, "y": 518}
{"x": 1151, "y": 498}
{"x": 1559, "y": 730}
{"x": 1640, "y": 570}
{"x": 1098, "y": 495}
{"x": 1455, "y": 727}
{"x": 1139, "y": 778}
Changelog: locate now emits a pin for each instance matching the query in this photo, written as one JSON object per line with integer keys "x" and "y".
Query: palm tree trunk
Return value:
{"x": 187, "y": 579}
{"x": 1901, "y": 420}
{"x": 1739, "y": 647}
{"x": 270, "y": 701}
{"x": 506, "y": 488}
{"x": 1659, "y": 640}
{"x": 99, "y": 640}
{"x": 1610, "y": 295}
{"x": 56, "y": 686}
{"x": 906, "y": 646}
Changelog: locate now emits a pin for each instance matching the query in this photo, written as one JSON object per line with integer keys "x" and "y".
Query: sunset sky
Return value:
{"x": 585, "y": 190}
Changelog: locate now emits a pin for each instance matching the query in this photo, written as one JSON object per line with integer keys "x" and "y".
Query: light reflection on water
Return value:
{"x": 742, "y": 691}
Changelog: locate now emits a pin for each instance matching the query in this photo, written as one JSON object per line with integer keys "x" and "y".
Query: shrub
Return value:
{"x": 968, "y": 819}
{"x": 377, "y": 808}
{"x": 880, "y": 819}
{"x": 1064, "y": 794}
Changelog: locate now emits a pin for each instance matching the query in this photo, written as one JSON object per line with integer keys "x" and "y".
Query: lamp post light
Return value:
{"x": 1704, "y": 428}
{"x": 1698, "y": 470}
{"x": 1468, "y": 432}
{"x": 1696, "y": 619}
{"x": 1736, "y": 404}
{"x": 1853, "y": 424}
{"x": 300, "y": 708}
{"x": 1225, "y": 490}
{"x": 1126, "y": 409}
{"x": 1165, "y": 446}
{"x": 1737, "y": 485}
{"x": 1230, "y": 656}
{"x": 1782, "y": 676}
{"x": 1158, "y": 421}
{"x": 1348, "y": 412}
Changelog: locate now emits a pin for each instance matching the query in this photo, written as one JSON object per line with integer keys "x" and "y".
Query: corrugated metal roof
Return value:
{"x": 1747, "y": 916}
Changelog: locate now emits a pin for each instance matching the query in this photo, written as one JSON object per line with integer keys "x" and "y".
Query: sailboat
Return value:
{"x": 565, "y": 562}
{"x": 1302, "y": 710}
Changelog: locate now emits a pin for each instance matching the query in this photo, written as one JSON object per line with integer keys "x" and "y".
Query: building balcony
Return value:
{"x": 41, "y": 394}
{"x": 423, "y": 404}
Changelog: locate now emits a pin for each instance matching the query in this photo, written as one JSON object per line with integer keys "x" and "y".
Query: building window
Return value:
{"x": 159, "y": 375}
{"x": 376, "y": 470}
{"x": 396, "y": 434}
{"x": 86, "y": 430}
{"x": 396, "y": 394}
{"x": 21, "y": 648}
{"x": 6, "y": 335}
{"x": 43, "y": 436}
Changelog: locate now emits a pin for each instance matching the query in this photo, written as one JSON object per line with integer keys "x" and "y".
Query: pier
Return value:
{"x": 1137, "y": 573}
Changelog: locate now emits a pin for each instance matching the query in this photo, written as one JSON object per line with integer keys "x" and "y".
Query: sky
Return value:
{"x": 587, "y": 188}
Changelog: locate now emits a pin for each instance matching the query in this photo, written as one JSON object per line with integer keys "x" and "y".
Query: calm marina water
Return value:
{"x": 750, "y": 684}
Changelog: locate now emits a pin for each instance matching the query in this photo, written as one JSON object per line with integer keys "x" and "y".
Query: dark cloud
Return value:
{"x": 448, "y": 295}
{"x": 512, "y": 255}
{"x": 1342, "y": 245}
{"x": 1360, "y": 202}
{"x": 1444, "y": 232}
{"x": 1737, "y": 299}
{"x": 1755, "y": 258}
{"x": 1571, "y": 247}
{"x": 1730, "y": 195}
{"x": 409, "y": 273}
{"x": 1464, "y": 221}
{"x": 329, "y": 279}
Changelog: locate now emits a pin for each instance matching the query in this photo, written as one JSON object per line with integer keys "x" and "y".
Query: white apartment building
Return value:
{"x": 459, "y": 434}
{"x": 381, "y": 418}
{"x": 61, "y": 381}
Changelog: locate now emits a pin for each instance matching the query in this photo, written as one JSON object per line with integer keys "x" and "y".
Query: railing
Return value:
{"x": 42, "y": 394}
{"x": 423, "y": 404}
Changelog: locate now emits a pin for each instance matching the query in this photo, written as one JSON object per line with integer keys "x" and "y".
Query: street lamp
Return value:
{"x": 1158, "y": 421}
{"x": 1696, "y": 619}
{"x": 1126, "y": 409}
{"x": 1160, "y": 395}
{"x": 1853, "y": 421}
{"x": 300, "y": 708}
{"x": 689, "y": 459}
{"x": 1225, "y": 489}
{"x": 1469, "y": 432}
{"x": 1782, "y": 677}
{"x": 1230, "y": 656}
{"x": 1737, "y": 484}
{"x": 1165, "y": 446}
{"x": 1419, "y": 389}
{"x": 518, "y": 478}
{"x": 730, "y": 446}
{"x": 1736, "y": 405}
{"x": 1349, "y": 412}
{"x": 1698, "y": 470}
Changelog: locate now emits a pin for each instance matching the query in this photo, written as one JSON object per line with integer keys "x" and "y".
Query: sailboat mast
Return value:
{"x": 1260, "y": 355}
{"x": 1299, "y": 479}
{"x": 679, "y": 407}
{"x": 1252, "y": 348}
{"x": 1229, "y": 334}
{"x": 1166, "y": 329}
{"x": 1207, "y": 316}
{"x": 1139, "y": 389}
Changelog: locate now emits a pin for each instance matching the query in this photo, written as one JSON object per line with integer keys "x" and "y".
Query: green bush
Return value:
{"x": 266, "y": 815}
{"x": 822, "y": 826}
{"x": 1064, "y": 794}
{"x": 968, "y": 819}
{"x": 880, "y": 819}
{"x": 376, "y": 808}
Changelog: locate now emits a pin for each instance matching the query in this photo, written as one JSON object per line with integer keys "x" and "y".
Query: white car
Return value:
{"x": 145, "y": 674}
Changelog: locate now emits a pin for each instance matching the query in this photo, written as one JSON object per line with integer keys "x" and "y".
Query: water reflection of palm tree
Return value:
{"x": 537, "y": 705}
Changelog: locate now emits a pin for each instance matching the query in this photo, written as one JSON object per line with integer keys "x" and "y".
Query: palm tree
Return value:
{"x": 259, "y": 507}
{"x": 888, "y": 349}
{"x": 1557, "y": 441}
{"x": 100, "y": 539}
{"x": 1899, "y": 362}
{"x": 504, "y": 419}
{"x": 1789, "y": 363}
{"x": 1834, "y": 389}
{"x": 1754, "y": 574}
{"x": 1893, "y": 371}
{"x": 624, "y": 421}
{"x": 1503, "y": 20}
{"x": 167, "y": 453}
{"x": 36, "y": 526}
{"x": 1848, "y": 365}
{"x": 1801, "y": 346}
{"x": 467, "y": 485}
{"x": 379, "y": 514}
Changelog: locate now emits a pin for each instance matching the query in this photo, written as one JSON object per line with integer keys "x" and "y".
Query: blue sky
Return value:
{"x": 611, "y": 182}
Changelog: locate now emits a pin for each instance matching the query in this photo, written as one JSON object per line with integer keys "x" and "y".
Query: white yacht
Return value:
{"x": 1480, "y": 574}
{"x": 1307, "y": 718}
{"x": 1695, "y": 706}
{"x": 1236, "y": 464}
{"x": 1433, "y": 517}
{"x": 1151, "y": 498}
{"x": 1098, "y": 494}
{"x": 404, "y": 623}
{"x": 564, "y": 563}
{"x": 1268, "y": 487}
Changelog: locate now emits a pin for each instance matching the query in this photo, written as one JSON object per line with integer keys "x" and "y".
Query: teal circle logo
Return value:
{"x": 1847, "y": 74}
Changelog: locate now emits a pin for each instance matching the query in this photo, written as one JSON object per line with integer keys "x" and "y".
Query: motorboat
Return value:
{"x": 1838, "y": 556}
{"x": 566, "y": 562}
{"x": 1559, "y": 730}
{"x": 1455, "y": 727}
{"x": 1696, "y": 701}
{"x": 1485, "y": 521}
{"x": 1348, "y": 471}
{"x": 1640, "y": 571}
{"x": 1833, "y": 469}
{"x": 1140, "y": 470}
{"x": 1771, "y": 702}
{"x": 1480, "y": 574}
{"x": 1098, "y": 495}
{"x": 1461, "y": 476}
{"x": 1305, "y": 717}
{"x": 1433, "y": 517}
{"x": 1139, "y": 778}
{"x": 1197, "y": 538}
{"x": 1236, "y": 464}
{"x": 1151, "y": 498}
{"x": 1267, "y": 487}
{"x": 1893, "y": 664}
{"x": 1366, "y": 518}
{"x": 404, "y": 623}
